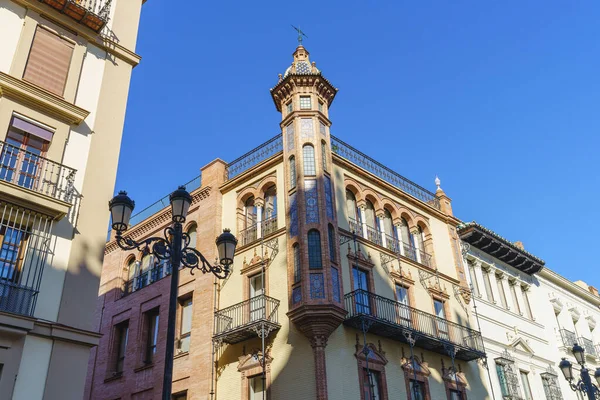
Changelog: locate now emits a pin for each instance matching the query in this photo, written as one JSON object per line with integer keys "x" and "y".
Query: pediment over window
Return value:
{"x": 521, "y": 344}
{"x": 376, "y": 356}
{"x": 421, "y": 367}
{"x": 452, "y": 375}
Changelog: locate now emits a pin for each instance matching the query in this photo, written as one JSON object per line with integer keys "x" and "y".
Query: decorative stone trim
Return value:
{"x": 376, "y": 362}
{"x": 251, "y": 365}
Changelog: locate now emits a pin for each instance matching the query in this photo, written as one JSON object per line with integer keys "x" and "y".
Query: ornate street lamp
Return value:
{"x": 584, "y": 384}
{"x": 173, "y": 247}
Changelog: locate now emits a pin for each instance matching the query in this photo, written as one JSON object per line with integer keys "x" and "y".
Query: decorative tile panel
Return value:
{"x": 306, "y": 128}
{"x": 317, "y": 290}
{"x": 293, "y": 215}
{"x": 289, "y": 133}
{"x": 328, "y": 197}
{"x": 296, "y": 295}
{"x": 302, "y": 67}
{"x": 335, "y": 284}
{"x": 312, "y": 201}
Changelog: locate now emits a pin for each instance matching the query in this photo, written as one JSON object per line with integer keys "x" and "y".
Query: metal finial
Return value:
{"x": 300, "y": 34}
{"x": 437, "y": 182}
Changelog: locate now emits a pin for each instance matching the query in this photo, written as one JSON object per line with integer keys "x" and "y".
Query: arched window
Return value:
{"x": 292, "y": 172}
{"x": 308, "y": 153}
{"x": 351, "y": 208}
{"x": 324, "y": 155}
{"x": 370, "y": 215}
{"x": 146, "y": 262}
{"x": 314, "y": 249}
{"x": 192, "y": 233}
{"x": 297, "y": 269}
{"x": 331, "y": 238}
{"x": 388, "y": 224}
{"x": 131, "y": 268}
{"x": 270, "y": 202}
{"x": 250, "y": 213}
{"x": 404, "y": 232}
{"x": 421, "y": 239}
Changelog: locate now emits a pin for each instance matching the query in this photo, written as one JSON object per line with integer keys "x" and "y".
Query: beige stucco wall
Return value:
{"x": 11, "y": 23}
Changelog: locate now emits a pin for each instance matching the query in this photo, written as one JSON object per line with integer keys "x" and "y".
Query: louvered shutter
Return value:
{"x": 49, "y": 61}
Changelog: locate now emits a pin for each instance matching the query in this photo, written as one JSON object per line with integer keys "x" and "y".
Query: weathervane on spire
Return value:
{"x": 300, "y": 34}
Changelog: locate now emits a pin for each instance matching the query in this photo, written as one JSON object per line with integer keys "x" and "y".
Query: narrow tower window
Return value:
{"x": 314, "y": 249}
{"x": 308, "y": 153}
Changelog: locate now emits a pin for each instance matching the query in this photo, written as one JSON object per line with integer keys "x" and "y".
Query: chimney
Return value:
{"x": 519, "y": 245}
{"x": 593, "y": 290}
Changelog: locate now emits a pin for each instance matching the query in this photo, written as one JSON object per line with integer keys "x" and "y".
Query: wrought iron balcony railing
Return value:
{"x": 147, "y": 277}
{"x": 404, "y": 249}
{"x": 249, "y": 235}
{"x": 568, "y": 338}
{"x": 33, "y": 172}
{"x": 269, "y": 225}
{"x": 255, "y": 156}
{"x": 91, "y": 13}
{"x": 17, "y": 299}
{"x": 398, "y": 321}
{"x": 588, "y": 345}
{"x": 351, "y": 154}
{"x": 244, "y": 320}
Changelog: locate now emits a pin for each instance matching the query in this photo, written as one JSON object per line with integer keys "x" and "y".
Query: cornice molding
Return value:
{"x": 563, "y": 283}
{"x": 251, "y": 173}
{"x": 25, "y": 92}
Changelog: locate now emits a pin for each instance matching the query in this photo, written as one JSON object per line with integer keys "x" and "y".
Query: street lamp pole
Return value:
{"x": 584, "y": 384}
{"x": 173, "y": 247}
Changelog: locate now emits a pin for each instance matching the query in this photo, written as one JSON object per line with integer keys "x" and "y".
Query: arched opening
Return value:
{"x": 308, "y": 154}
{"x": 353, "y": 213}
{"x": 270, "y": 215}
{"x": 192, "y": 234}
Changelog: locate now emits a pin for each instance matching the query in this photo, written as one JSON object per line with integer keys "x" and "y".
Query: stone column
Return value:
{"x": 259, "y": 204}
{"x": 415, "y": 233}
{"x": 318, "y": 344}
{"x": 363, "y": 220}
{"x": 381, "y": 217}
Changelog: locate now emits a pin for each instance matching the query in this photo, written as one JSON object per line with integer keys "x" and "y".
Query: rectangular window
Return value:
{"x": 440, "y": 322}
{"x": 324, "y": 155}
{"x": 297, "y": 268}
{"x": 526, "y": 301}
{"x": 501, "y": 291}
{"x": 474, "y": 280}
{"x": 417, "y": 390}
{"x": 185, "y": 329}
{"x": 151, "y": 319}
{"x": 454, "y": 394}
{"x": 180, "y": 396}
{"x": 513, "y": 291}
{"x": 320, "y": 106}
{"x": 121, "y": 334}
{"x": 372, "y": 387}
{"x": 361, "y": 283}
{"x": 404, "y": 312}
{"x": 289, "y": 107}
{"x": 49, "y": 61}
{"x": 331, "y": 238}
{"x": 257, "y": 302}
{"x": 502, "y": 379}
{"x": 256, "y": 387}
{"x": 305, "y": 103}
{"x": 525, "y": 383}
{"x": 488, "y": 286}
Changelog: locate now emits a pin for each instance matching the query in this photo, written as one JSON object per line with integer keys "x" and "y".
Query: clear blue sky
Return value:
{"x": 500, "y": 99}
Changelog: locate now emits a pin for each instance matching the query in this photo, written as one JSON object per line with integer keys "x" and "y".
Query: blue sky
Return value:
{"x": 500, "y": 99}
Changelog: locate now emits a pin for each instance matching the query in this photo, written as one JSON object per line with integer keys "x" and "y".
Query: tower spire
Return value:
{"x": 300, "y": 34}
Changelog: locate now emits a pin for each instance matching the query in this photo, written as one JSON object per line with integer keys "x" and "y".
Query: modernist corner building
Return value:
{"x": 348, "y": 281}
{"x": 64, "y": 81}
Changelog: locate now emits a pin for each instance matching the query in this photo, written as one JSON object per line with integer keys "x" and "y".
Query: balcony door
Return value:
{"x": 404, "y": 313}
{"x": 21, "y": 159}
{"x": 257, "y": 301}
{"x": 361, "y": 282}
{"x": 441, "y": 323}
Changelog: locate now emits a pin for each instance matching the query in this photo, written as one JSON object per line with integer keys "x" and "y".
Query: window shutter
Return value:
{"x": 49, "y": 61}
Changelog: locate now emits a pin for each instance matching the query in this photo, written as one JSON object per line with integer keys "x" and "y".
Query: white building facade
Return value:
{"x": 511, "y": 306}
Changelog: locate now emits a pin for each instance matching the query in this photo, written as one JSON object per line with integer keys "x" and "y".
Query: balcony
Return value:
{"x": 391, "y": 243}
{"x": 269, "y": 226}
{"x": 588, "y": 345}
{"x": 249, "y": 235}
{"x": 394, "y": 320}
{"x": 146, "y": 278}
{"x": 91, "y": 13}
{"x": 247, "y": 319}
{"x": 31, "y": 178}
{"x": 568, "y": 338}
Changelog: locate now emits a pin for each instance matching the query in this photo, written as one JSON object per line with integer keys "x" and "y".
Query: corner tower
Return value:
{"x": 303, "y": 96}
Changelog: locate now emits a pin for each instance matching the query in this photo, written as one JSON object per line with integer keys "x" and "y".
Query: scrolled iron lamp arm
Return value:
{"x": 162, "y": 249}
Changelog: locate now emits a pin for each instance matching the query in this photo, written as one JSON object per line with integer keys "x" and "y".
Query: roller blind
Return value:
{"x": 49, "y": 61}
